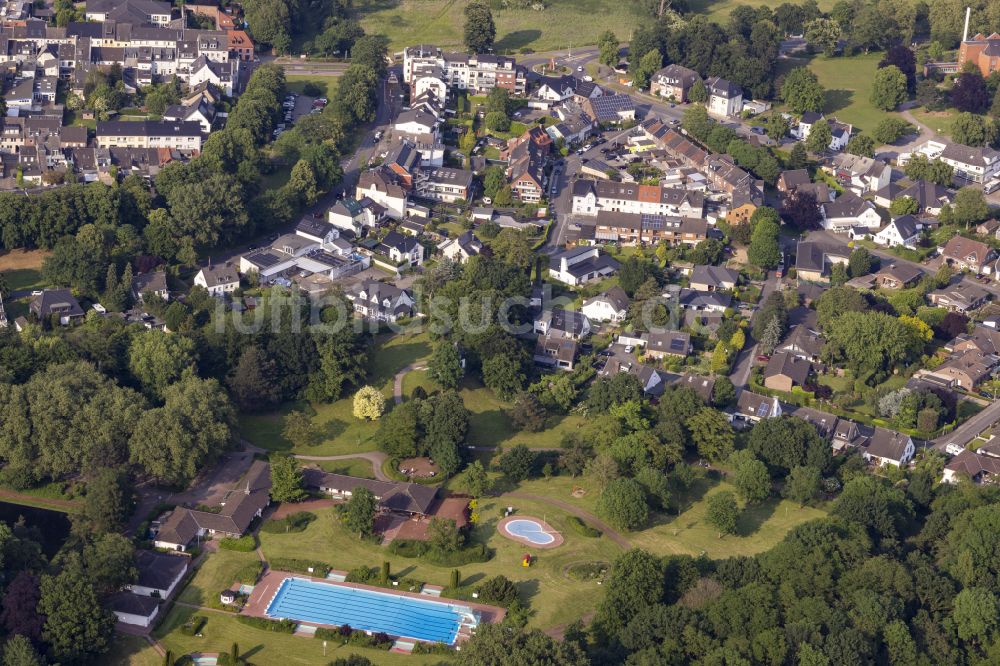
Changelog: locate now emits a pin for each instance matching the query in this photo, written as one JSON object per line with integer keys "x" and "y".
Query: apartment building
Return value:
{"x": 593, "y": 196}
{"x": 183, "y": 135}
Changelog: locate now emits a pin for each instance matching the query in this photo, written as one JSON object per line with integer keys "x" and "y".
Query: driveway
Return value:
{"x": 968, "y": 431}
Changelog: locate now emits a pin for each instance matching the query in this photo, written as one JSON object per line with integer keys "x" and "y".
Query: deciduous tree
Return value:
{"x": 359, "y": 511}
{"x": 721, "y": 512}
{"x": 802, "y": 92}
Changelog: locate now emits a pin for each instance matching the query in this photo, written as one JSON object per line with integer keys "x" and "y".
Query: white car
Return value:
{"x": 580, "y": 68}
{"x": 588, "y": 78}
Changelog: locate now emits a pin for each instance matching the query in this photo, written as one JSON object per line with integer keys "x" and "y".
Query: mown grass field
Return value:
{"x": 562, "y": 24}
{"x": 848, "y": 84}
{"x": 128, "y": 650}
{"x": 718, "y": 10}
{"x": 297, "y": 83}
{"x": 939, "y": 121}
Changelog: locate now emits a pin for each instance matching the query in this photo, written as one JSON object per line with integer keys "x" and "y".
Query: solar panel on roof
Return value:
{"x": 676, "y": 344}
{"x": 763, "y": 409}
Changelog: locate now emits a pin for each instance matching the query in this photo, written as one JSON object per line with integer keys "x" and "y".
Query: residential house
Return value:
{"x": 967, "y": 254}
{"x": 703, "y": 386}
{"x": 713, "y": 278}
{"x": 813, "y": 260}
{"x": 785, "y": 370}
{"x": 901, "y": 232}
{"x": 462, "y": 248}
{"x": 929, "y": 197}
{"x": 646, "y": 228}
{"x": 380, "y": 301}
{"x": 568, "y": 323}
{"x": 409, "y": 499}
{"x": 158, "y": 573}
{"x": 897, "y": 276}
{"x": 154, "y": 282}
{"x": 962, "y": 296}
{"x": 593, "y": 196}
{"x": 673, "y": 81}
{"x": 353, "y": 215}
{"x": 804, "y": 342}
{"x": 612, "y": 305}
{"x": 973, "y": 164}
{"x": 219, "y": 279}
{"x": 609, "y": 109}
{"x": 402, "y": 249}
{"x": 133, "y": 609}
{"x": 416, "y": 122}
{"x": 526, "y": 157}
{"x": 966, "y": 369}
{"x": 752, "y": 407}
{"x": 555, "y": 350}
{"x": 554, "y": 89}
{"x": 744, "y": 202}
{"x": 200, "y": 112}
{"x": 650, "y": 380}
{"x": 847, "y": 211}
{"x": 580, "y": 265}
{"x": 983, "y": 339}
{"x": 789, "y": 181}
{"x": 477, "y": 73}
{"x": 975, "y": 467}
{"x": 888, "y": 447}
{"x": 56, "y": 303}
{"x": 659, "y": 344}
{"x": 824, "y": 422}
{"x": 177, "y": 135}
{"x": 382, "y": 186}
{"x": 702, "y": 301}
{"x": 724, "y": 97}
{"x": 443, "y": 184}
{"x": 244, "y": 503}
{"x": 859, "y": 174}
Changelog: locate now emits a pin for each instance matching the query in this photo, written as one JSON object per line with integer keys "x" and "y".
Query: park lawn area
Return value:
{"x": 217, "y": 573}
{"x": 562, "y": 24}
{"x": 277, "y": 178}
{"x": 838, "y": 384}
{"x": 342, "y": 433}
{"x": 359, "y": 467}
{"x": 759, "y": 527}
{"x": 848, "y": 84}
{"x": 719, "y": 10}
{"x": 553, "y": 597}
{"x": 297, "y": 83}
{"x": 24, "y": 278}
{"x": 266, "y": 647}
{"x": 939, "y": 121}
{"x": 128, "y": 650}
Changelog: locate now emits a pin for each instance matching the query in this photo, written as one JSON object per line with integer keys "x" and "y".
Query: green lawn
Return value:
{"x": 562, "y": 24}
{"x": 758, "y": 529}
{"x": 359, "y": 467}
{"x": 343, "y": 434}
{"x": 216, "y": 573}
{"x": 128, "y": 650}
{"x": 297, "y": 83}
{"x": 265, "y": 647}
{"x": 24, "y": 278}
{"x": 939, "y": 121}
{"x": 848, "y": 84}
{"x": 554, "y": 598}
{"x": 719, "y": 10}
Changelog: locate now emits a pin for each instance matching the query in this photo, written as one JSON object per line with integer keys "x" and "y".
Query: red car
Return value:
{"x": 763, "y": 358}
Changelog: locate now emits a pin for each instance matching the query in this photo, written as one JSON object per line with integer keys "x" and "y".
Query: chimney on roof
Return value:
{"x": 965, "y": 33}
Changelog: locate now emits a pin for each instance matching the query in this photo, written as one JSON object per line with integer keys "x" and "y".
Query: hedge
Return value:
{"x": 319, "y": 569}
{"x": 356, "y": 637}
{"x": 296, "y": 522}
{"x": 245, "y": 544}
{"x": 277, "y": 626}
{"x": 194, "y": 625}
{"x": 583, "y": 528}
{"x": 249, "y": 572}
{"x": 420, "y": 549}
{"x": 432, "y": 648}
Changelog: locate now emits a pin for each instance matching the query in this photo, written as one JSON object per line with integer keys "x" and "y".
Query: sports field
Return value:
{"x": 562, "y": 24}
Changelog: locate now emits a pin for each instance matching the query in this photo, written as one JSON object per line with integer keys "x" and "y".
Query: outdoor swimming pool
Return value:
{"x": 529, "y": 530}
{"x": 395, "y": 614}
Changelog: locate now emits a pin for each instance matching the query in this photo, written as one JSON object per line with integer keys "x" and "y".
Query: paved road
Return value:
{"x": 740, "y": 375}
{"x": 966, "y": 432}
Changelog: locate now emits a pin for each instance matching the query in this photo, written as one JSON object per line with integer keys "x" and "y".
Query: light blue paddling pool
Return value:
{"x": 529, "y": 530}
{"x": 323, "y": 603}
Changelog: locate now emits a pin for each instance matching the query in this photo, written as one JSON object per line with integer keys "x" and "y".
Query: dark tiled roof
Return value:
{"x": 407, "y": 497}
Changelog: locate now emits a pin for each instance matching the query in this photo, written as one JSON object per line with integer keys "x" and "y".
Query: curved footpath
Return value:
{"x": 397, "y": 381}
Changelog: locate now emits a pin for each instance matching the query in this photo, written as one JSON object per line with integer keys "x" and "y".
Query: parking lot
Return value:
{"x": 302, "y": 105}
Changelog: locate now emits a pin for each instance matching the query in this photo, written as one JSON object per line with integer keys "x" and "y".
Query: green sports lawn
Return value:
{"x": 848, "y": 84}
{"x": 562, "y": 24}
{"x": 719, "y": 10}
{"x": 128, "y": 650}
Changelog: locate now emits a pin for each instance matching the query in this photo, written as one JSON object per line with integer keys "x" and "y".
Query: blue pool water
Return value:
{"x": 530, "y": 530}
{"x": 323, "y": 603}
